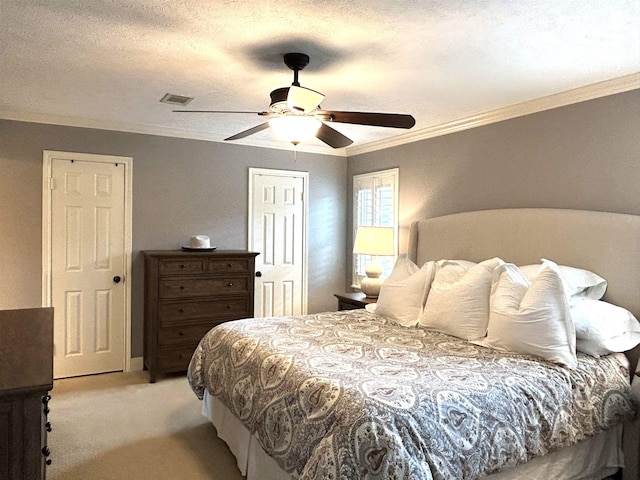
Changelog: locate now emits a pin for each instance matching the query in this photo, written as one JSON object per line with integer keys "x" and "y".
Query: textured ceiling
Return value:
{"x": 107, "y": 63}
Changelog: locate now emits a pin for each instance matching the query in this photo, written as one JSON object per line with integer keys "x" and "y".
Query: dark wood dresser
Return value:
{"x": 186, "y": 294}
{"x": 26, "y": 376}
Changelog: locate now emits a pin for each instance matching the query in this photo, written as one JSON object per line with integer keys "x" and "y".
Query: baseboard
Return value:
{"x": 137, "y": 364}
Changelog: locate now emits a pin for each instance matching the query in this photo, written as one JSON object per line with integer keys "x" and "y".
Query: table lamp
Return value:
{"x": 373, "y": 241}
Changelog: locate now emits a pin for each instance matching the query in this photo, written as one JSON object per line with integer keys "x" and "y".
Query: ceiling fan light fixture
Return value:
{"x": 303, "y": 100}
{"x": 295, "y": 128}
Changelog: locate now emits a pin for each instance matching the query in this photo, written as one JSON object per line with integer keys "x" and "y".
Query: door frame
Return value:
{"x": 47, "y": 165}
{"x": 305, "y": 225}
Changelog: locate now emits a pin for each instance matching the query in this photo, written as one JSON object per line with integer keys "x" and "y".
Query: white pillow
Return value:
{"x": 403, "y": 267}
{"x": 458, "y": 301}
{"x": 577, "y": 281}
{"x": 403, "y": 293}
{"x": 531, "y": 318}
{"x": 603, "y": 328}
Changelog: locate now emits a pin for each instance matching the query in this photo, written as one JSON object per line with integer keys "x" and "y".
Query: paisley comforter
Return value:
{"x": 348, "y": 395}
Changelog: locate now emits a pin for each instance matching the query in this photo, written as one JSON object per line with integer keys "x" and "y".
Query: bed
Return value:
{"x": 354, "y": 395}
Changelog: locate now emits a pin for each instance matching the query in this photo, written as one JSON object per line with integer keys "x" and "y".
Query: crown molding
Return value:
{"x": 576, "y": 95}
{"x": 159, "y": 131}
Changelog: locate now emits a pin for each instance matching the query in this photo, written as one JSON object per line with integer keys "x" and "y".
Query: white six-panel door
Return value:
{"x": 277, "y": 232}
{"x": 88, "y": 266}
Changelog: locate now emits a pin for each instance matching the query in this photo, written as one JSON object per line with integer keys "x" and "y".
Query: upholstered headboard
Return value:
{"x": 605, "y": 243}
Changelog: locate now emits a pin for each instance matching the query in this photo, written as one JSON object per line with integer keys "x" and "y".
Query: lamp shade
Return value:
{"x": 295, "y": 128}
{"x": 374, "y": 241}
{"x": 302, "y": 99}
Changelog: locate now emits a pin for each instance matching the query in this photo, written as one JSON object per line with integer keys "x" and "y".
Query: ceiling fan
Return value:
{"x": 295, "y": 113}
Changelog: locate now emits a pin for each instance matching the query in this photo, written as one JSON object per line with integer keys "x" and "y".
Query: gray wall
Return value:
{"x": 584, "y": 156}
{"x": 180, "y": 188}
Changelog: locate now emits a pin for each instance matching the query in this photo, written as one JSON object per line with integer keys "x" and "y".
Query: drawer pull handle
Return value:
{"x": 45, "y": 451}
{"x": 48, "y": 426}
{"x": 230, "y": 284}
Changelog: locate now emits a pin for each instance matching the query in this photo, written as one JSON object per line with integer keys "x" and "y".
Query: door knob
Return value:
{"x": 116, "y": 279}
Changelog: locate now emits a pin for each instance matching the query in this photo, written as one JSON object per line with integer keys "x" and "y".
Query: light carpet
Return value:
{"x": 118, "y": 426}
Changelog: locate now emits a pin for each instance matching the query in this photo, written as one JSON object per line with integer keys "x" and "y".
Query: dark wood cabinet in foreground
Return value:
{"x": 186, "y": 294}
{"x": 26, "y": 376}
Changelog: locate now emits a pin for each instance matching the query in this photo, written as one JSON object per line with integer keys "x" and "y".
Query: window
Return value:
{"x": 375, "y": 203}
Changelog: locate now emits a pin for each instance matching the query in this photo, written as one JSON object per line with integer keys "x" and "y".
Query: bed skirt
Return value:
{"x": 592, "y": 459}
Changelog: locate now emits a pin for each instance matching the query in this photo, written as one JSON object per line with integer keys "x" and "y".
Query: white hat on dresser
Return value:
{"x": 199, "y": 242}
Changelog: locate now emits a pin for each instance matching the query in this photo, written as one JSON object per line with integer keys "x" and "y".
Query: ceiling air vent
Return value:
{"x": 172, "y": 99}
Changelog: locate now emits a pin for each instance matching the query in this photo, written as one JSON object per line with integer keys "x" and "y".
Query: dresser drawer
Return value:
{"x": 205, "y": 286}
{"x": 220, "y": 308}
{"x": 189, "y": 333}
{"x": 185, "y": 266}
{"x": 175, "y": 359}
{"x": 232, "y": 265}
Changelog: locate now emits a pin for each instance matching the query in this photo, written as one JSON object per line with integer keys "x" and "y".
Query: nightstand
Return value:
{"x": 351, "y": 301}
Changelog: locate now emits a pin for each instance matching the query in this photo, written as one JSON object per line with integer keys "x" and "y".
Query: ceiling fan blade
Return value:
{"x": 222, "y": 111}
{"x": 332, "y": 137}
{"x": 251, "y": 131}
{"x": 395, "y": 120}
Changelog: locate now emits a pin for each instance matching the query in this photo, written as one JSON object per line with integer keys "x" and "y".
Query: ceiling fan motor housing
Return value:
{"x": 279, "y": 100}
{"x": 296, "y": 62}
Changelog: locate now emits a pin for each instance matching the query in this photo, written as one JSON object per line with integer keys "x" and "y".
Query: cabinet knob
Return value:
{"x": 181, "y": 333}
{"x": 47, "y": 426}
{"x": 258, "y": 274}
{"x": 45, "y": 451}
{"x": 230, "y": 284}
{"x": 181, "y": 287}
{"x": 48, "y": 462}
{"x": 229, "y": 307}
{"x": 182, "y": 265}
{"x": 229, "y": 265}
{"x": 46, "y": 399}
{"x": 46, "y": 410}
{"x": 181, "y": 310}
